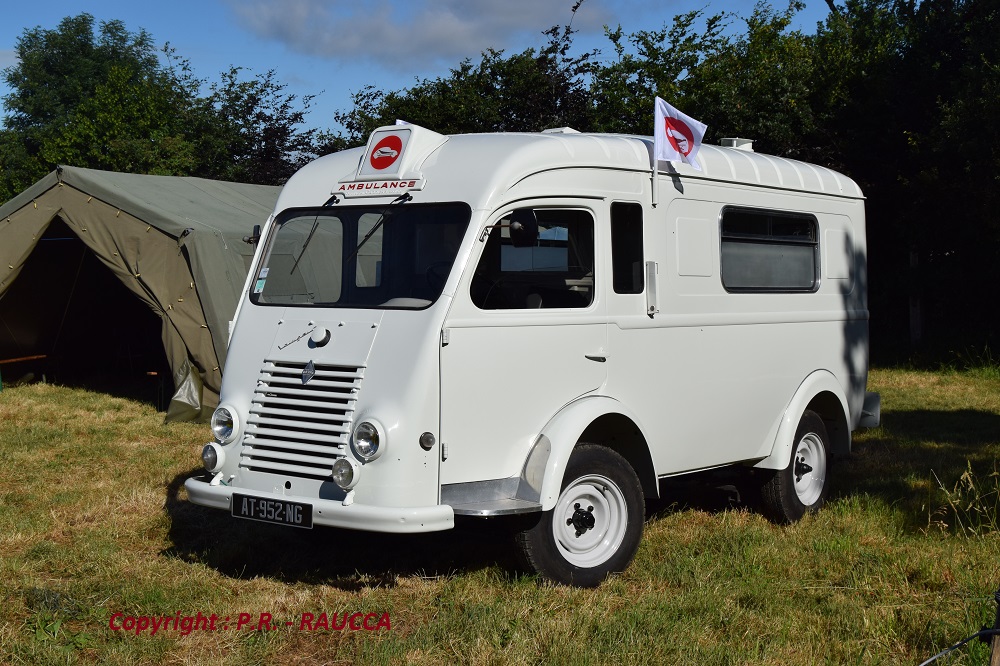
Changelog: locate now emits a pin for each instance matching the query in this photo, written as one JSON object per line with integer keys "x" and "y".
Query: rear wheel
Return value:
{"x": 596, "y": 525}
{"x": 800, "y": 488}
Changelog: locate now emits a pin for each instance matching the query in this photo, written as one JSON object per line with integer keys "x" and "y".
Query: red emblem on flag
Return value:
{"x": 676, "y": 136}
{"x": 679, "y": 135}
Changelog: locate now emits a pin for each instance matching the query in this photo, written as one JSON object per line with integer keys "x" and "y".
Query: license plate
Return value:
{"x": 282, "y": 512}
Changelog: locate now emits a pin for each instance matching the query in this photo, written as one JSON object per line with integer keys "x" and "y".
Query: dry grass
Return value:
{"x": 93, "y": 521}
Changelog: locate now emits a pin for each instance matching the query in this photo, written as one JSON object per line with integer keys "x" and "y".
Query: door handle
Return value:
{"x": 594, "y": 357}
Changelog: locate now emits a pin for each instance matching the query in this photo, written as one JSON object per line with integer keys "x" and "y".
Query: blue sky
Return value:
{"x": 331, "y": 48}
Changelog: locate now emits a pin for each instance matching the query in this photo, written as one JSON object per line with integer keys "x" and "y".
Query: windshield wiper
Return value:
{"x": 401, "y": 199}
{"x": 306, "y": 244}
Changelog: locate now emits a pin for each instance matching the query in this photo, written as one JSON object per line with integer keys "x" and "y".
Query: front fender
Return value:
{"x": 561, "y": 434}
{"x": 820, "y": 381}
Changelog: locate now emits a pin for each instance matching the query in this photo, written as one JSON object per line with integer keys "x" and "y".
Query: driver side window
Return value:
{"x": 555, "y": 271}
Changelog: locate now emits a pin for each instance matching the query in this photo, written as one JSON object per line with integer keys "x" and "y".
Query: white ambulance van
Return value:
{"x": 497, "y": 324}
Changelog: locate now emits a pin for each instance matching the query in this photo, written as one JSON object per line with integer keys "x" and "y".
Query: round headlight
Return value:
{"x": 346, "y": 473}
{"x": 368, "y": 441}
{"x": 224, "y": 424}
{"x": 213, "y": 457}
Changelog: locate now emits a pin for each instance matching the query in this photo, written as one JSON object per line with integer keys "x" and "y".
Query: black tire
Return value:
{"x": 801, "y": 487}
{"x": 601, "y": 504}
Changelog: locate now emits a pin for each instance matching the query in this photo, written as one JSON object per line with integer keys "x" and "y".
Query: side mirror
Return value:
{"x": 523, "y": 228}
{"x": 254, "y": 237}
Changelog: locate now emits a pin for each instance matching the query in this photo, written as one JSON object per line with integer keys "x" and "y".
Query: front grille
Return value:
{"x": 297, "y": 427}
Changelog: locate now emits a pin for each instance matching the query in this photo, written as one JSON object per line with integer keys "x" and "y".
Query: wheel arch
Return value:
{"x": 595, "y": 420}
{"x": 820, "y": 392}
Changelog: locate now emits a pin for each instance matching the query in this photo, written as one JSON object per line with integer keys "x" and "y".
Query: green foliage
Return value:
{"x": 98, "y": 99}
{"x": 524, "y": 92}
{"x": 106, "y": 98}
{"x": 255, "y": 137}
{"x": 759, "y": 86}
{"x": 58, "y": 69}
{"x": 128, "y": 124}
{"x": 664, "y": 63}
{"x": 903, "y": 95}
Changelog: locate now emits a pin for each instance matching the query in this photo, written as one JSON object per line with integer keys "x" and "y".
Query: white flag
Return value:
{"x": 676, "y": 137}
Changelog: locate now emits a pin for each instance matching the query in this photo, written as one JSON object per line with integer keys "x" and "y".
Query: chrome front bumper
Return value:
{"x": 333, "y": 513}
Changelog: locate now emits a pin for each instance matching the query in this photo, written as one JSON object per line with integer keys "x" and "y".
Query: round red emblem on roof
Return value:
{"x": 386, "y": 152}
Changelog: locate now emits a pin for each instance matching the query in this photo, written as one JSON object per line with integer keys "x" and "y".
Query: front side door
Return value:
{"x": 527, "y": 335}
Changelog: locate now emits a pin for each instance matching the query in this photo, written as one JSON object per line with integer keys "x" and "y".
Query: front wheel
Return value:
{"x": 596, "y": 525}
{"x": 800, "y": 488}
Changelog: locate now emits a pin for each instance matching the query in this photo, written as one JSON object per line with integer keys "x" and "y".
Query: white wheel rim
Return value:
{"x": 809, "y": 469}
{"x": 589, "y": 521}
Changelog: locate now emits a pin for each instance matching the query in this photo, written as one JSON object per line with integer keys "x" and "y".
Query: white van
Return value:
{"x": 497, "y": 324}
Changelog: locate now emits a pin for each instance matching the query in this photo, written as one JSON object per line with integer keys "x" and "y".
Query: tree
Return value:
{"x": 524, "y": 92}
{"x": 254, "y": 134}
{"x": 949, "y": 77}
{"x": 904, "y": 99}
{"x": 59, "y": 69}
{"x": 108, "y": 99}
{"x": 132, "y": 122}
{"x": 662, "y": 64}
{"x": 759, "y": 86}
{"x": 100, "y": 100}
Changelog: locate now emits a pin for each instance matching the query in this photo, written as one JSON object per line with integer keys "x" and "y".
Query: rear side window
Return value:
{"x": 766, "y": 251}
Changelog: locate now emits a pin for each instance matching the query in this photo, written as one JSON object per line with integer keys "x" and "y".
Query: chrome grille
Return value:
{"x": 299, "y": 426}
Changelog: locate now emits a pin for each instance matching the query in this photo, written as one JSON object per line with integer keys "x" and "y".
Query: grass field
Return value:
{"x": 95, "y": 528}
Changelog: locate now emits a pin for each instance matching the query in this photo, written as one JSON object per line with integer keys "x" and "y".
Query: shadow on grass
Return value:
{"x": 894, "y": 464}
{"x": 897, "y": 462}
{"x": 891, "y": 464}
{"x": 346, "y": 559}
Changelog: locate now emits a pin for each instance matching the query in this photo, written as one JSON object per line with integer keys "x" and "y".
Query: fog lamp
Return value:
{"x": 346, "y": 473}
{"x": 214, "y": 457}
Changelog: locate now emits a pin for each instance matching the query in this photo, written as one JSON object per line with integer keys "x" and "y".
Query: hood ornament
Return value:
{"x": 309, "y": 372}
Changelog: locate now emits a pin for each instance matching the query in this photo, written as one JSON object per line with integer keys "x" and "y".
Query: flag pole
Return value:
{"x": 653, "y": 177}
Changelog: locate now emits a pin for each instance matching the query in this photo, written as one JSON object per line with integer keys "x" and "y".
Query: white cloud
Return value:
{"x": 414, "y": 34}
{"x": 7, "y": 58}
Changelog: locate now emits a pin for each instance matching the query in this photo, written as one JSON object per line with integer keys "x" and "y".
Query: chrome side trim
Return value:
{"x": 500, "y": 497}
{"x": 476, "y": 492}
{"x": 501, "y": 507}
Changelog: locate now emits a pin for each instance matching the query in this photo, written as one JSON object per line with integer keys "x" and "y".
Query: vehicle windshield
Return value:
{"x": 391, "y": 256}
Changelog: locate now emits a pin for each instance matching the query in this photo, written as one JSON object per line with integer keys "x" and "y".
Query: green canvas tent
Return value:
{"x": 176, "y": 260}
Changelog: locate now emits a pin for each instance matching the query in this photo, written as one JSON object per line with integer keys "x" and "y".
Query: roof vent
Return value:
{"x": 560, "y": 130}
{"x": 738, "y": 143}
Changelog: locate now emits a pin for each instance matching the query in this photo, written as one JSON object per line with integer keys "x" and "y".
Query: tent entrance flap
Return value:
{"x": 68, "y": 307}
